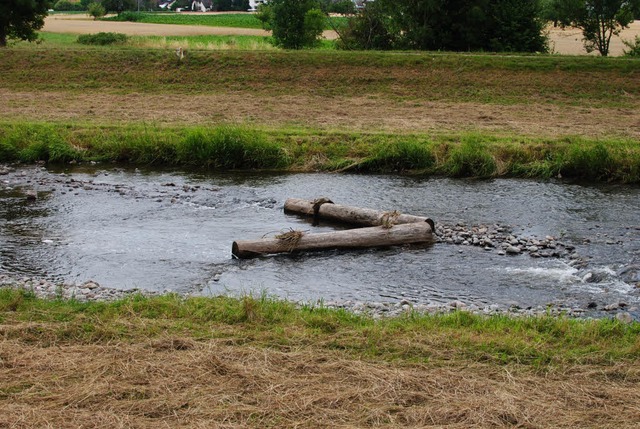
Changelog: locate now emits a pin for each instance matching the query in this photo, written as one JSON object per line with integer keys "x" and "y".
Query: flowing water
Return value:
{"x": 158, "y": 229}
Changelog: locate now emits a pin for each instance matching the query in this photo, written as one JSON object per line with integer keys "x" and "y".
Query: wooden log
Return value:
{"x": 377, "y": 236}
{"x": 352, "y": 215}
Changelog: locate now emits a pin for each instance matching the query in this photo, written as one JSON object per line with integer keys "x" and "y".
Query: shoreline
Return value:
{"x": 91, "y": 291}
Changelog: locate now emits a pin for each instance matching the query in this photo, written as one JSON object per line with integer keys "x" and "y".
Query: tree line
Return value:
{"x": 451, "y": 25}
{"x": 447, "y": 25}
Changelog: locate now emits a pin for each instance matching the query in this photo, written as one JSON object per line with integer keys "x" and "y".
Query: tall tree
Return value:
{"x": 295, "y": 24}
{"x": 20, "y": 19}
{"x": 456, "y": 25}
{"x": 599, "y": 20}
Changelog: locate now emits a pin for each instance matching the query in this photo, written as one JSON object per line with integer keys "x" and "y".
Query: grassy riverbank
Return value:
{"x": 428, "y": 113}
{"x": 234, "y": 147}
{"x": 255, "y": 362}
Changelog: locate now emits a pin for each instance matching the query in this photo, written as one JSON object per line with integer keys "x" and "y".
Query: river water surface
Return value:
{"x": 157, "y": 230}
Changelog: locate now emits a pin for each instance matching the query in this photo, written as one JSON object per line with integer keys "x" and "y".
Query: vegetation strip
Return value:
{"x": 538, "y": 342}
{"x": 608, "y": 82}
{"x": 257, "y": 362}
{"x": 236, "y": 147}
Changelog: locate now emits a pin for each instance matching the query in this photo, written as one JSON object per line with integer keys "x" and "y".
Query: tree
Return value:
{"x": 295, "y": 24}
{"x": 96, "y": 10}
{"x": 599, "y": 20}
{"x": 118, "y": 6}
{"x": 20, "y": 19}
{"x": 453, "y": 25}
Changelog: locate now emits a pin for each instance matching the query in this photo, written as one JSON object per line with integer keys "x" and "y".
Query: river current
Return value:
{"x": 170, "y": 229}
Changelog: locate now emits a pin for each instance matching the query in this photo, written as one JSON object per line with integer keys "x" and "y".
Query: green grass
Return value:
{"x": 399, "y": 76}
{"x": 244, "y": 147}
{"x": 538, "y": 342}
{"x": 237, "y": 20}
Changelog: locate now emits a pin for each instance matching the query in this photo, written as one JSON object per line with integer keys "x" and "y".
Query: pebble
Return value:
{"x": 503, "y": 241}
{"x": 87, "y": 291}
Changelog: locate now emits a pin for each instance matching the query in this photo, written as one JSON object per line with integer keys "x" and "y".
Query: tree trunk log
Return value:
{"x": 352, "y": 215}
{"x": 378, "y": 236}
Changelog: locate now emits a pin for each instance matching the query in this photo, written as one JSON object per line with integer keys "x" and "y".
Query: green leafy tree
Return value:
{"x": 454, "y": 25}
{"x": 295, "y": 24}
{"x": 20, "y": 19}
{"x": 96, "y": 10}
{"x": 119, "y": 6}
{"x": 599, "y": 20}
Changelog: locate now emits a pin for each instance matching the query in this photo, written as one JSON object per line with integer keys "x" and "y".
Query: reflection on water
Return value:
{"x": 173, "y": 230}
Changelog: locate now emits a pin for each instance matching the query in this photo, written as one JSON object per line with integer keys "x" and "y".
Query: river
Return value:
{"x": 172, "y": 230}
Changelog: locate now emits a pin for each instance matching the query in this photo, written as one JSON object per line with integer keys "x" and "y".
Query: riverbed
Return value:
{"x": 170, "y": 230}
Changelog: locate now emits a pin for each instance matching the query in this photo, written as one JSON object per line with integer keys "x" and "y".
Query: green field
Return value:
{"x": 238, "y": 20}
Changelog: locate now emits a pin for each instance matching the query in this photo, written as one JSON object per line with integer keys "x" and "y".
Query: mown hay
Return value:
{"x": 217, "y": 383}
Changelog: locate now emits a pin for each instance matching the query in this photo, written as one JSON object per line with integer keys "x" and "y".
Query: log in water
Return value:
{"x": 352, "y": 215}
{"x": 377, "y": 236}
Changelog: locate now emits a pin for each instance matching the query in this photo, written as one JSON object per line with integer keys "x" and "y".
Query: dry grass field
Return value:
{"x": 182, "y": 383}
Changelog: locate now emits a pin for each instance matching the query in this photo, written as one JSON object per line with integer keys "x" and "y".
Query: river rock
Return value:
{"x": 513, "y": 250}
{"x": 611, "y": 307}
{"x": 624, "y": 317}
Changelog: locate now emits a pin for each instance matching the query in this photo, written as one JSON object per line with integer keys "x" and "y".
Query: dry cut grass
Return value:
{"x": 223, "y": 383}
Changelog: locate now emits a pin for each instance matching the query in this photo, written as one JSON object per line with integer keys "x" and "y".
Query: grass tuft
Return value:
{"x": 230, "y": 148}
{"x": 470, "y": 159}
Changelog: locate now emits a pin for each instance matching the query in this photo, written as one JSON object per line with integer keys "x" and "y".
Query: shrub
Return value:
{"x": 67, "y": 6}
{"x": 634, "y": 47}
{"x": 103, "y": 39}
{"x": 129, "y": 16}
{"x": 96, "y": 10}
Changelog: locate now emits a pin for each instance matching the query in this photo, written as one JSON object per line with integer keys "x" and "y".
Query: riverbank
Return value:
{"x": 248, "y": 148}
{"x": 432, "y": 113}
{"x": 255, "y": 362}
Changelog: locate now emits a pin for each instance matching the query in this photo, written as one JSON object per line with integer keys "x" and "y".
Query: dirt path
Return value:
{"x": 566, "y": 42}
{"x": 335, "y": 113}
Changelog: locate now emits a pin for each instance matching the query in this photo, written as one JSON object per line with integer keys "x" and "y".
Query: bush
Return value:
{"x": 634, "y": 47}
{"x": 129, "y": 16}
{"x": 96, "y": 10}
{"x": 103, "y": 39}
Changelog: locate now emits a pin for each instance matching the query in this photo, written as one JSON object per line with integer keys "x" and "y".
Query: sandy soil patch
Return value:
{"x": 562, "y": 41}
{"x": 347, "y": 114}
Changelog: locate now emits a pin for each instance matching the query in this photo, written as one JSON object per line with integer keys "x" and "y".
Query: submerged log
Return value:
{"x": 351, "y": 215}
{"x": 378, "y": 236}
